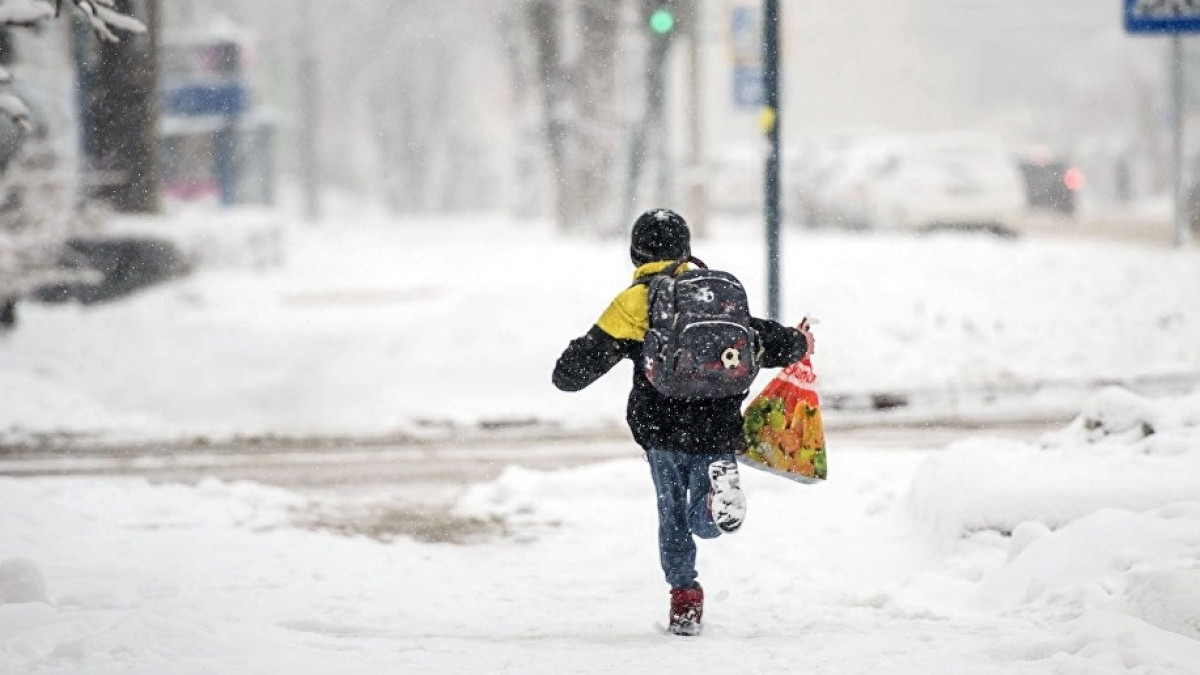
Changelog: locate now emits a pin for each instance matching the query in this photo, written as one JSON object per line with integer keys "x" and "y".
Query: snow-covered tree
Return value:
{"x": 410, "y": 97}
{"x": 38, "y": 203}
{"x": 572, "y": 50}
{"x": 101, "y": 15}
{"x": 474, "y": 105}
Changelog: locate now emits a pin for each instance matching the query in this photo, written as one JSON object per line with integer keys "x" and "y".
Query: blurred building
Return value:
{"x": 1064, "y": 76}
{"x": 414, "y": 117}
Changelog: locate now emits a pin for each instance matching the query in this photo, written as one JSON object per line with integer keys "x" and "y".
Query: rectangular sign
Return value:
{"x": 748, "y": 87}
{"x": 1162, "y": 16}
{"x": 745, "y": 35}
{"x": 201, "y": 99}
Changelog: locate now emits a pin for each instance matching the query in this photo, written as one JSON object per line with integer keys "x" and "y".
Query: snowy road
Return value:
{"x": 445, "y": 462}
{"x": 410, "y": 489}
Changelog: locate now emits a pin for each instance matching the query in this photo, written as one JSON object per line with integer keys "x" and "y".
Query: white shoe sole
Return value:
{"x": 727, "y": 503}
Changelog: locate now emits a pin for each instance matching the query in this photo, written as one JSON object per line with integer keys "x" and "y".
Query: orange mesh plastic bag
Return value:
{"x": 784, "y": 433}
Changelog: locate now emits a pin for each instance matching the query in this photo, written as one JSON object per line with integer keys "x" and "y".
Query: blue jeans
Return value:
{"x": 681, "y": 483}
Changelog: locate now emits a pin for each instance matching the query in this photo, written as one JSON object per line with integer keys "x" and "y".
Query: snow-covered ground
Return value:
{"x": 379, "y": 328}
{"x": 988, "y": 557}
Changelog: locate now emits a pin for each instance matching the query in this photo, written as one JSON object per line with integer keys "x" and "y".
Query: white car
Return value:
{"x": 952, "y": 181}
{"x": 837, "y": 193}
{"x": 949, "y": 181}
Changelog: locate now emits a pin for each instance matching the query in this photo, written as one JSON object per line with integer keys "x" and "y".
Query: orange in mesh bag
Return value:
{"x": 783, "y": 429}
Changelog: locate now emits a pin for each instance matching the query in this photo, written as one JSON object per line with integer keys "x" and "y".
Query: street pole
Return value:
{"x": 697, "y": 184}
{"x": 657, "y": 84}
{"x": 1182, "y": 232}
{"x": 648, "y": 142}
{"x": 770, "y": 123}
{"x": 661, "y": 128}
{"x": 310, "y": 161}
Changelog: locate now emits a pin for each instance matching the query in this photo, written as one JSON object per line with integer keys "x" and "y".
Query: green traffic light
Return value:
{"x": 662, "y": 21}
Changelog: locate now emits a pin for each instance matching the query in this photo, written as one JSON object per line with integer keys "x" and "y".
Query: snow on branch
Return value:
{"x": 15, "y": 109}
{"x": 103, "y": 17}
{"x": 100, "y": 14}
{"x": 24, "y": 12}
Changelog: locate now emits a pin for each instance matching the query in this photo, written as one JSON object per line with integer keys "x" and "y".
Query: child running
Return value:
{"x": 690, "y": 443}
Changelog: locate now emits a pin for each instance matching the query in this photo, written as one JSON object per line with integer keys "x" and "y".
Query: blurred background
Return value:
{"x": 548, "y": 109}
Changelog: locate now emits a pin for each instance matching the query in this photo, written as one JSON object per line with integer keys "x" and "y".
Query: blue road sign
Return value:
{"x": 1162, "y": 16}
{"x": 199, "y": 100}
{"x": 745, "y": 34}
{"x": 748, "y": 87}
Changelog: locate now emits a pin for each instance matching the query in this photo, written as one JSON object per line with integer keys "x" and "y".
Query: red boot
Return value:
{"x": 687, "y": 606}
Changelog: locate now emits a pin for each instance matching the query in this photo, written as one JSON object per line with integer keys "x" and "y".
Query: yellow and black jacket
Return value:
{"x": 657, "y": 421}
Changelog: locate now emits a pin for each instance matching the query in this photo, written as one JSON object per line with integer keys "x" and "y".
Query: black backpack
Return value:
{"x": 699, "y": 343}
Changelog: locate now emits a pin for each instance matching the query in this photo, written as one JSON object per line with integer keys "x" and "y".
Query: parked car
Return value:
{"x": 926, "y": 182}
{"x": 8, "y": 313}
{"x": 841, "y": 194}
{"x": 819, "y": 170}
{"x": 123, "y": 266}
{"x": 1051, "y": 184}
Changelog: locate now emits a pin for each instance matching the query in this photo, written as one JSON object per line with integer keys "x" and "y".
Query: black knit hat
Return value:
{"x": 659, "y": 234}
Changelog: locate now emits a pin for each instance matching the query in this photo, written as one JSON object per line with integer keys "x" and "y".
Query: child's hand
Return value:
{"x": 805, "y": 329}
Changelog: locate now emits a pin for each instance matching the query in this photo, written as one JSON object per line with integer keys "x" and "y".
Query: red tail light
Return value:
{"x": 1073, "y": 179}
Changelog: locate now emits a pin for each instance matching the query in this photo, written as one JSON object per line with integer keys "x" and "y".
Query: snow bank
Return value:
{"x": 1142, "y": 563}
{"x": 1123, "y": 451}
{"x": 1103, "y": 525}
{"x": 44, "y": 406}
{"x": 243, "y": 238}
{"x": 583, "y": 497}
{"x": 1124, "y": 588}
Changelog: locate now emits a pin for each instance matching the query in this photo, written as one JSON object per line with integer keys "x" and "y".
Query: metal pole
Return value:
{"x": 310, "y": 161}
{"x": 651, "y": 129}
{"x": 658, "y": 117}
{"x": 770, "y": 121}
{"x": 697, "y": 185}
{"x": 1182, "y": 233}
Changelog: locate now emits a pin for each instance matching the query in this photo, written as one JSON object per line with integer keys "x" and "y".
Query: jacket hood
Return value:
{"x": 656, "y": 267}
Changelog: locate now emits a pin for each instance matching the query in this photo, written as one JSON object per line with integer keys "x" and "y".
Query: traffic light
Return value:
{"x": 662, "y": 20}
